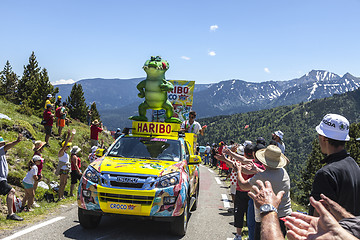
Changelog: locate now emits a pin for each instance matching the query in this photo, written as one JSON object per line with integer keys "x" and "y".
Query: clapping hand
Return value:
{"x": 303, "y": 226}
{"x": 264, "y": 194}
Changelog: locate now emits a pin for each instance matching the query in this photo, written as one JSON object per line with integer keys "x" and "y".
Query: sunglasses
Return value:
{"x": 192, "y": 116}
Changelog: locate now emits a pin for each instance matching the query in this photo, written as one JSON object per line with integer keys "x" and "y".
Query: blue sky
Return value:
{"x": 204, "y": 41}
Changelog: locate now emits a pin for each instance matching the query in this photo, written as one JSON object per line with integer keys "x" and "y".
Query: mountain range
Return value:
{"x": 116, "y": 99}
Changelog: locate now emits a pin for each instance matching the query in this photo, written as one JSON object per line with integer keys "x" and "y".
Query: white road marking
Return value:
{"x": 225, "y": 200}
{"x": 210, "y": 170}
{"x": 30, "y": 229}
{"x": 217, "y": 179}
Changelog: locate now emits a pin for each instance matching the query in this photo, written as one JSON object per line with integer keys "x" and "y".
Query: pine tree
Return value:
{"x": 29, "y": 80}
{"x": 8, "y": 83}
{"x": 76, "y": 103}
{"x": 313, "y": 164}
{"x": 94, "y": 112}
{"x": 42, "y": 89}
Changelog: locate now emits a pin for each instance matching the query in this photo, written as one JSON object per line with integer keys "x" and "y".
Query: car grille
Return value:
{"x": 128, "y": 181}
{"x": 143, "y": 200}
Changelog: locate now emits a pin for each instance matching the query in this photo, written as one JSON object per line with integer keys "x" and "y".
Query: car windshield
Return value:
{"x": 150, "y": 148}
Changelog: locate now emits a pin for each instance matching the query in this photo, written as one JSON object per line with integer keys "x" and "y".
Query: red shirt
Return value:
{"x": 94, "y": 132}
{"x": 48, "y": 118}
{"x": 78, "y": 161}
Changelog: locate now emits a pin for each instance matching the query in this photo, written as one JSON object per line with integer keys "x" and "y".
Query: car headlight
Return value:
{"x": 169, "y": 180}
{"x": 92, "y": 175}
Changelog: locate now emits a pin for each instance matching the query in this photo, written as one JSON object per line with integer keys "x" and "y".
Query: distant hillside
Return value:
{"x": 298, "y": 123}
{"x": 116, "y": 99}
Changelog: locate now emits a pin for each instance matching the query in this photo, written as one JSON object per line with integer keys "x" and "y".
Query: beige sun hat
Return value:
{"x": 272, "y": 157}
{"x": 38, "y": 145}
{"x": 95, "y": 122}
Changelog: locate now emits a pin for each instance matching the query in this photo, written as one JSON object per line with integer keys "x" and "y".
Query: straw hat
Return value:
{"x": 38, "y": 145}
{"x": 75, "y": 150}
{"x": 95, "y": 122}
{"x": 272, "y": 157}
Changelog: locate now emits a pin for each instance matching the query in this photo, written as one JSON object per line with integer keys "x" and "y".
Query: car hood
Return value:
{"x": 137, "y": 166}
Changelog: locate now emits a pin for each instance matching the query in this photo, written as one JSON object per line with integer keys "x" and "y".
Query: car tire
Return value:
{"x": 195, "y": 205}
{"x": 179, "y": 225}
{"x": 88, "y": 221}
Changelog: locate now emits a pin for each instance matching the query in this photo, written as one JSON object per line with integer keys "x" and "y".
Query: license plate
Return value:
{"x": 124, "y": 207}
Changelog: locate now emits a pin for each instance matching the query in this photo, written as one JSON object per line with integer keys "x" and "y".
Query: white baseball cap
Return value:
{"x": 49, "y": 95}
{"x": 280, "y": 134}
{"x": 334, "y": 126}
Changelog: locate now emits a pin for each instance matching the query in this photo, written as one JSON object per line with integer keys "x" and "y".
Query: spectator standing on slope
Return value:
{"x": 48, "y": 100}
{"x": 339, "y": 179}
{"x": 62, "y": 118}
{"x": 58, "y": 102}
{"x": 5, "y": 188}
{"x": 64, "y": 165}
{"x": 28, "y": 183}
{"x": 75, "y": 168}
{"x": 94, "y": 132}
{"x": 38, "y": 148}
{"x": 49, "y": 119}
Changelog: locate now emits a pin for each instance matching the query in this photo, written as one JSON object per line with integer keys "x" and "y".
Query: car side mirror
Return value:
{"x": 194, "y": 159}
{"x": 99, "y": 152}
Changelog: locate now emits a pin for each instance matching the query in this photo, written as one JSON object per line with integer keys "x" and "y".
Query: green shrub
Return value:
{"x": 26, "y": 110}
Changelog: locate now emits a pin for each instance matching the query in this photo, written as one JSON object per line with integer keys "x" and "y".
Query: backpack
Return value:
{"x": 57, "y": 112}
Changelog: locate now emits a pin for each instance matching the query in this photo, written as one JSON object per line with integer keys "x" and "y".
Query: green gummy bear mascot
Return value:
{"x": 154, "y": 88}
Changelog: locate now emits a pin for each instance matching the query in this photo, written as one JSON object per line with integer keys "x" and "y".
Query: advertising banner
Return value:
{"x": 181, "y": 98}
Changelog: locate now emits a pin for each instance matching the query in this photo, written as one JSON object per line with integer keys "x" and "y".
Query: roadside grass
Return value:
{"x": 19, "y": 156}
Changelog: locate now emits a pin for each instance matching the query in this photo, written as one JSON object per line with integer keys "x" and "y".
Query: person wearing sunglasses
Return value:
{"x": 192, "y": 126}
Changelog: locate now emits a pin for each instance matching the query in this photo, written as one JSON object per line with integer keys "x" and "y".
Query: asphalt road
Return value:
{"x": 210, "y": 221}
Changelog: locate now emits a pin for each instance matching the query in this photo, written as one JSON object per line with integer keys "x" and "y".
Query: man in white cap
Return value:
{"x": 339, "y": 179}
{"x": 278, "y": 138}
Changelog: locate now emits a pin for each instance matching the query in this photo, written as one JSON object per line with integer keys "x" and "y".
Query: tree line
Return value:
{"x": 30, "y": 90}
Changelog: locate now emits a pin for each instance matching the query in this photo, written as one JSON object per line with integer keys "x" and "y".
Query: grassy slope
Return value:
{"x": 19, "y": 156}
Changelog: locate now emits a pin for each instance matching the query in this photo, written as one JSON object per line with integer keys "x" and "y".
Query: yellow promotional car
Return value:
{"x": 151, "y": 172}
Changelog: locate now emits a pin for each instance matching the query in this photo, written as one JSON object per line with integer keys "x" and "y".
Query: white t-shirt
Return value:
{"x": 193, "y": 128}
{"x": 65, "y": 159}
{"x": 29, "y": 178}
{"x": 279, "y": 180}
{"x": 207, "y": 149}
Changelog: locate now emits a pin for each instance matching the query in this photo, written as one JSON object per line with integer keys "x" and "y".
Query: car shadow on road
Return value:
{"x": 113, "y": 227}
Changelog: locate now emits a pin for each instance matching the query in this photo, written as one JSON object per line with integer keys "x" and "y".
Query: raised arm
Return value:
{"x": 12, "y": 144}
{"x": 238, "y": 157}
{"x": 69, "y": 138}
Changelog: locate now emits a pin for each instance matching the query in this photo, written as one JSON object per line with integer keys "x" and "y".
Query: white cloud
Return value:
{"x": 63, "y": 81}
{"x": 185, "y": 58}
{"x": 212, "y": 53}
{"x": 214, "y": 27}
{"x": 266, "y": 70}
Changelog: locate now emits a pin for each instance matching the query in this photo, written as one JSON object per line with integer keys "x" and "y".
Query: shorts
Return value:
{"x": 48, "y": 129}
{"x": 233, "y": 189}
{"x": 4, "y": 187}
{"x": 61, "y": 122}
{"x": 94, "y": 142}
{"x": 240, "y": 208}
{"x": 28, "y": 185}
{"x": 75, "y": 176}
{"x": 62, "y": 171}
